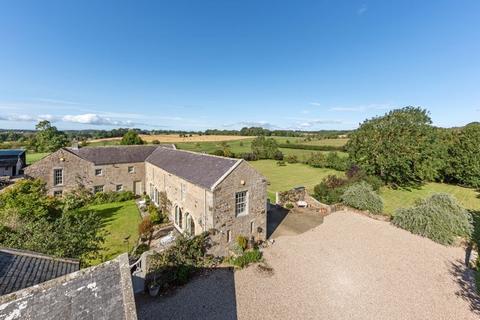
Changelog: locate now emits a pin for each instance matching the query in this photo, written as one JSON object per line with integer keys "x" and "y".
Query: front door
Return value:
{"x": 137, "y": 188}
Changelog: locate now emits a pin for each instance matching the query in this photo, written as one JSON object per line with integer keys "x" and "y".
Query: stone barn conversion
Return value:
{"x": 12, "y": 162}
{"x": 206, "y": 192}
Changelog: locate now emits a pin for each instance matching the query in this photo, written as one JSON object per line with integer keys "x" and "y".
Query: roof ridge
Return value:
{"x": 33, "y": 254}
{"x": 202, "y": 154}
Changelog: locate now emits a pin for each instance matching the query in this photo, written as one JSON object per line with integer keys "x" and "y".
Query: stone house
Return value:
{"x": 12, "y": 162}
{"x": 205, "y": 192}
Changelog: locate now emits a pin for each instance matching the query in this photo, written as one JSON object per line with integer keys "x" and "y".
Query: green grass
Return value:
{"x": 34, "y": 157}
{"x": 401, "y": 198}
{"x": 120, "y": 220}
{"x": 282, "y": 178}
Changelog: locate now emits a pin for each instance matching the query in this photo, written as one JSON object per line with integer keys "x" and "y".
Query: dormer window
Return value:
{"x": 98, "y": 172}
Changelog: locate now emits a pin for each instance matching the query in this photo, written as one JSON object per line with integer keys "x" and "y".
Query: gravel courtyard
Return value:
{"x": 350, "y": 267}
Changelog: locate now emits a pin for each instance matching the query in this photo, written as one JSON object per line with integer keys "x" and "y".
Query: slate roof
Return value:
{"x": 198, "y": 168}
{"x": 111, "y": 155}
{"x": 100, "y": 292}
{"x": 21, "y": 269}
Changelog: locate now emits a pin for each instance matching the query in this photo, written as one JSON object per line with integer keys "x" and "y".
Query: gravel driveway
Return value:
{"x": 350, "y": 267}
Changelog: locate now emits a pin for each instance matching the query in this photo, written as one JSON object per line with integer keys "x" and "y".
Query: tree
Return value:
{"x": 48, "y": 138}
{"x": 266, "y": 148}
{"x": 400, "y": 147}
{"x": 465, "y": 156}
{"x": 131, "y": 138}
{"x": 31, "y": 220}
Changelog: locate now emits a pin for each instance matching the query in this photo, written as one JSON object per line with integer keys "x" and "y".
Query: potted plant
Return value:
{"x": 153, "y": 288}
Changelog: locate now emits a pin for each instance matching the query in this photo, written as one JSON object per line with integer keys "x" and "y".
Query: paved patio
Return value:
{"x": 349, "y": 267}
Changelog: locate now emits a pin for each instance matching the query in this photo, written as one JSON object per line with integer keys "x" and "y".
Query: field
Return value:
{"x": 34, "y": 157}
{"x": 402, "y": 198}
{"x": 174, "y": 138}
{"x": 120, "y": 221}
{"x": 282, "y": 178}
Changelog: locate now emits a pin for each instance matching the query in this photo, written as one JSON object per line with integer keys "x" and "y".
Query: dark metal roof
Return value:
{"x": 11, "y": 153}
{"x": 21, "y": 269}
{"x": 200, "y": 169}
{"x": 112, "y": 155}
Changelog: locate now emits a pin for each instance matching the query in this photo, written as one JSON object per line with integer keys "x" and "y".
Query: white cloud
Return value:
{"x": 361, "y": 11}
{"x": 315, "y": 104}
{"x": 95, "y": 119}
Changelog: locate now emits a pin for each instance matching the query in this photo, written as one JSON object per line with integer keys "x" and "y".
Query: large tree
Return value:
{"x": 131, "y": 137}
{"x": 400, "y": 147}
{"x": 266, "y": 148}
{"x": 48, "y": 138}
{"x": 465, "y": 156}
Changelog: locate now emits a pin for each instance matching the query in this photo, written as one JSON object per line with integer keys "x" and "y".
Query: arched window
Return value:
{"x": 178, "y": 217}
{"x": 189, "y": 224}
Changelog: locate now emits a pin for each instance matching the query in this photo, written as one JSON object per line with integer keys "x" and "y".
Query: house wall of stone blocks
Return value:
{"x": 77, "y": 170}
{"x": 243, "y": 178}
{"x": 197, "y": 201}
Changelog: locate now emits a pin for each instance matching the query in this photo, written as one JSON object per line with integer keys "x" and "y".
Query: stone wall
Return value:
{"x": 197, "y": 201}
{"x": 242, "y": 178}
{"x": 77, "y": 170}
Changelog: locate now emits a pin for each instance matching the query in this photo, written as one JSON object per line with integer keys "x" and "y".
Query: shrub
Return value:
{"x": 291, "y": 158}
{"x": 438, "y": 217}
{"x": 242, "y": 242}
{"x": 145, "y": 228}
{"x": 361, "y": 196}
{"x": 141, "y": 248}
{"x": 317, "y": 160}
{"x": 218, "y": 152}
{"x": 112, "y": 196}
{"x": 247, "y": 258}
{"x": 249, "y": 156}
{"x": 278, "y": 155}
{"x": 330, "y": 190}
{"x": 281, "y": 163}
{"x": 289, "y": 205}
{"x": 334, "y": 161}
{"x": 310, "y": 147}
{"x": 155, "y": 141}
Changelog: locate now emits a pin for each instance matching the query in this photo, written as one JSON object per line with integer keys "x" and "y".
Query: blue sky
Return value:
{"x": 227, "y": 64}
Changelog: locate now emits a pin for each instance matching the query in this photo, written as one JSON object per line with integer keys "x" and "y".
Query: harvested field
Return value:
{"x": 172, "y": 138}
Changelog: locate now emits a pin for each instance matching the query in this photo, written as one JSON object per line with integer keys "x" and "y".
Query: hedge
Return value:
{"x": 310, "y": 147}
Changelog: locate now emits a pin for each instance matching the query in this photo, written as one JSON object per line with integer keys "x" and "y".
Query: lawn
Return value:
{"x": 282, "y": 178}
{"x": 34, "y": 157}
{"x": 120, "y": 220}
{"x": 402, "y": 198}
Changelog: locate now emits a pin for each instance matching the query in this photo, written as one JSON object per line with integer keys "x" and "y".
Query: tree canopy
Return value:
{"x": 266, "y": 148}
{"x": 399, "y": 147}
{"x": 465, "y": 156}
{"x": 48, "y": 138}
{"x": 131, "y": 138}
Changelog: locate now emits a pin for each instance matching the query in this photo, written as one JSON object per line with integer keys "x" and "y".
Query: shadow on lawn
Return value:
{"x": 108, "y": 214}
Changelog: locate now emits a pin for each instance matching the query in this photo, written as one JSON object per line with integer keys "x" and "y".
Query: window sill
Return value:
{"x": 241, "y": 215}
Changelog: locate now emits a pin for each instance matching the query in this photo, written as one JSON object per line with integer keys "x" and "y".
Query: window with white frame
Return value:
{"x": 97, "y": 189}
{"x": 119, "y": 187}
{"x": 241, "y": 203}
{"x": 57, "y": 193}
{"x": 57, "y": 177}
{"x": 183, "y": 191}
{"x": 229, "y": 235}
{"x": 98, "y": 172}
{"x": 252, "y": 226}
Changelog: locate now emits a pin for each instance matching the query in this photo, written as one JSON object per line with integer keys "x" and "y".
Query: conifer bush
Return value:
{"x": 361, "y": 196}
{"x": 438, "y": 217}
